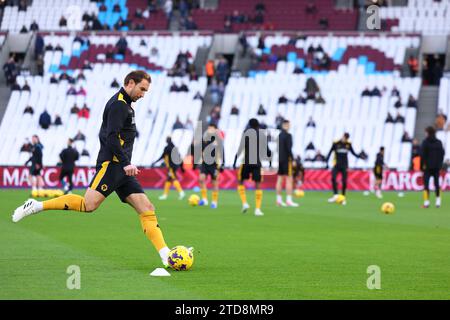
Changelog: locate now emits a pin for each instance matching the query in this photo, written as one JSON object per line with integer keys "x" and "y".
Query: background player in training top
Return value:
{"x": 37, "y": 182}
{"x": 341, "y": 148}
{"x": 378, "y": 172}
{"x": 114, "y": 169}
{"x": 432, "y": 159}
{"x": 285, "y": 168}
{"x": 68, "y": 157}
{"x": 212, "y": 162}
{"x": 255, "y": 148}
{"x": 173, "y": 162}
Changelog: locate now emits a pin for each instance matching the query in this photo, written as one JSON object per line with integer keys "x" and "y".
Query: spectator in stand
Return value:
{"x": 79, "y": 136}
{"x": 102, "y": 7}
{"x": 116, "y": 8}
{"x": 71, "y": 91}
{"x": 244, "y": 44}
{"x": 53, "y": 79}
{"x": 81, "y": 76}
{"x": 398, "y": 103}
{"x": 168, "y": 8}
{"x": 63, "y": 22}
{"x": 210, "y": 70}
{"x": 399, "y": 118}
{"x": 234, "y": 110}
{"x": 227, "y": 26}
{"x": 193, "y": 75}
{"x": 178, "y": 124}
{"x": 214, "y": 116}
{"x": 27, "y": 146}
{"x": 74, "y": 109}
{"x": 15, "y": 86}
{"x": 190, "y": 24}
{"x": 319, "y": 99}
{"x": 26, "y": 86}
{"x": 24, "y": 29}
{"x": 115, "y": 84}
{"x": 319, "y": 157}
{"x": 84, "y": 112}
{"x": 34, "y": 26}
{"x": 412, "y": 103}
{"x": 87, "y": 65}
{"x": 38, "y": 46}
{"x": 283, "y": 99}
{"x": 300, "y": 99}
{"x": 183, "y": 88}
{"x": 222, "y": 70}
{"x": 81, "y": 92}
{"x": 311, "y": 123}
{"x": 189, "y": 125}
{"x": 22, "y": 5}
{"x": 395, "y": 92}
{"x": 311, "y": 7}
{"x": 376, "y": 92}
{"x": 261, "y": 111}
{"x": 413, "y": 65}
{"x": 311, "y": 89}
{"x": 406, "y": 137}
{"x": 198, "y": 96}
{"x": 278, "y": 121}
{"x": 260, "y": 7}
{"x": 122, "y": 45}
{"x": 174, "y": 88}
{"x": 45, "y": 120}
{"x": 323, "y": 22}
{"x": 57, "y": 121}
{"x": 215, "y": 92}
{"x": 28, "y": 109}
{"x": 11, "y": 70}
{"x": 389, "y": 118}
{"x": 440, "y": 121}
{"x": 366, "y": 92}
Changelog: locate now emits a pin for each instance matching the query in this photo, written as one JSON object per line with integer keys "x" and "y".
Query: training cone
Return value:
{"x": 160, "y": 272}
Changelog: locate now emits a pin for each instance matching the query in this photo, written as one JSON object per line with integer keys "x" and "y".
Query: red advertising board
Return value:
{"x": 17, "y": 177}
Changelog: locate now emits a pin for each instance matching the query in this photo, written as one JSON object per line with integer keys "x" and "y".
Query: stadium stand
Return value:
{"x": 288, "y": 15}
{"x": 427, "y": 16}
{"x": 444, "y": 109}
{"x": 155, "y": 114}
{"x": 344, "y": 108}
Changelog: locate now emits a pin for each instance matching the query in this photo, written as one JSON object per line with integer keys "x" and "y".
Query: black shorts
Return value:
{"x": 285, "y": 168}
{"x": 172, "y": 173}
{"x": 34, "y": 171}
{"x": 111, "y": 177}
{"x": 65, "y": 173}
{"x": 378, "y": 172}
{"x": 210, "y": 170}
{"x": 246, "y": 170}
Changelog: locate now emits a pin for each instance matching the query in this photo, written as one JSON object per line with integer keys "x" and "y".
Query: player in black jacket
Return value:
{"x": 173, "y": 162}
{"x": 378, "y": 172}
{"x": 212, "y": 163}
{"x": 68, "y": 157}
{"x": 114, "y": 169}
{"x": 285, "y": 167}
{"x": 431, "y": 162}
{"x": 37, "y": 182}
{"x": 341, "y": 148}
{"x": 255, "y": 149}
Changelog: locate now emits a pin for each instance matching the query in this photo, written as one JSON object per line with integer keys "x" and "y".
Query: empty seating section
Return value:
{"x": 425, "y": 16}
{"x": 155, "y": 113}
{"x": 74, "y": 54}
{"x": 372, "y": 54}
{"x": 345, "y": 109}
{"x": 279, "y": 15}
{"x": 47, "y": 14}
{"x": 444, "y": 107}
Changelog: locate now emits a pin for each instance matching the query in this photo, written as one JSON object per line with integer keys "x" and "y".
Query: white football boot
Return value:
{"x": 163, "y": 197}
{"x": 30, "y": 207}
{"x": 245, "y": 207}
{"x": 181, "y": 196}
{"x": 258, "y": 213}
{"x": 333, "y": 198}
{"x": 438, "y": 202}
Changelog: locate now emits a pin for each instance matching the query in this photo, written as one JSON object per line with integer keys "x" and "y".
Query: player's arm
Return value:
{"x": 160, "y": 158}
{"x": 117, "y": 116}
{"x": 239, "y": 151}
{"x": 352, "y": 151}
{"x": 333, "y": 148}
{"x": 424, "y": 154}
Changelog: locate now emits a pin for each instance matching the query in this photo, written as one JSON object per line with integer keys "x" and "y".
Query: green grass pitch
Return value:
{"x": 316, "y": 251}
